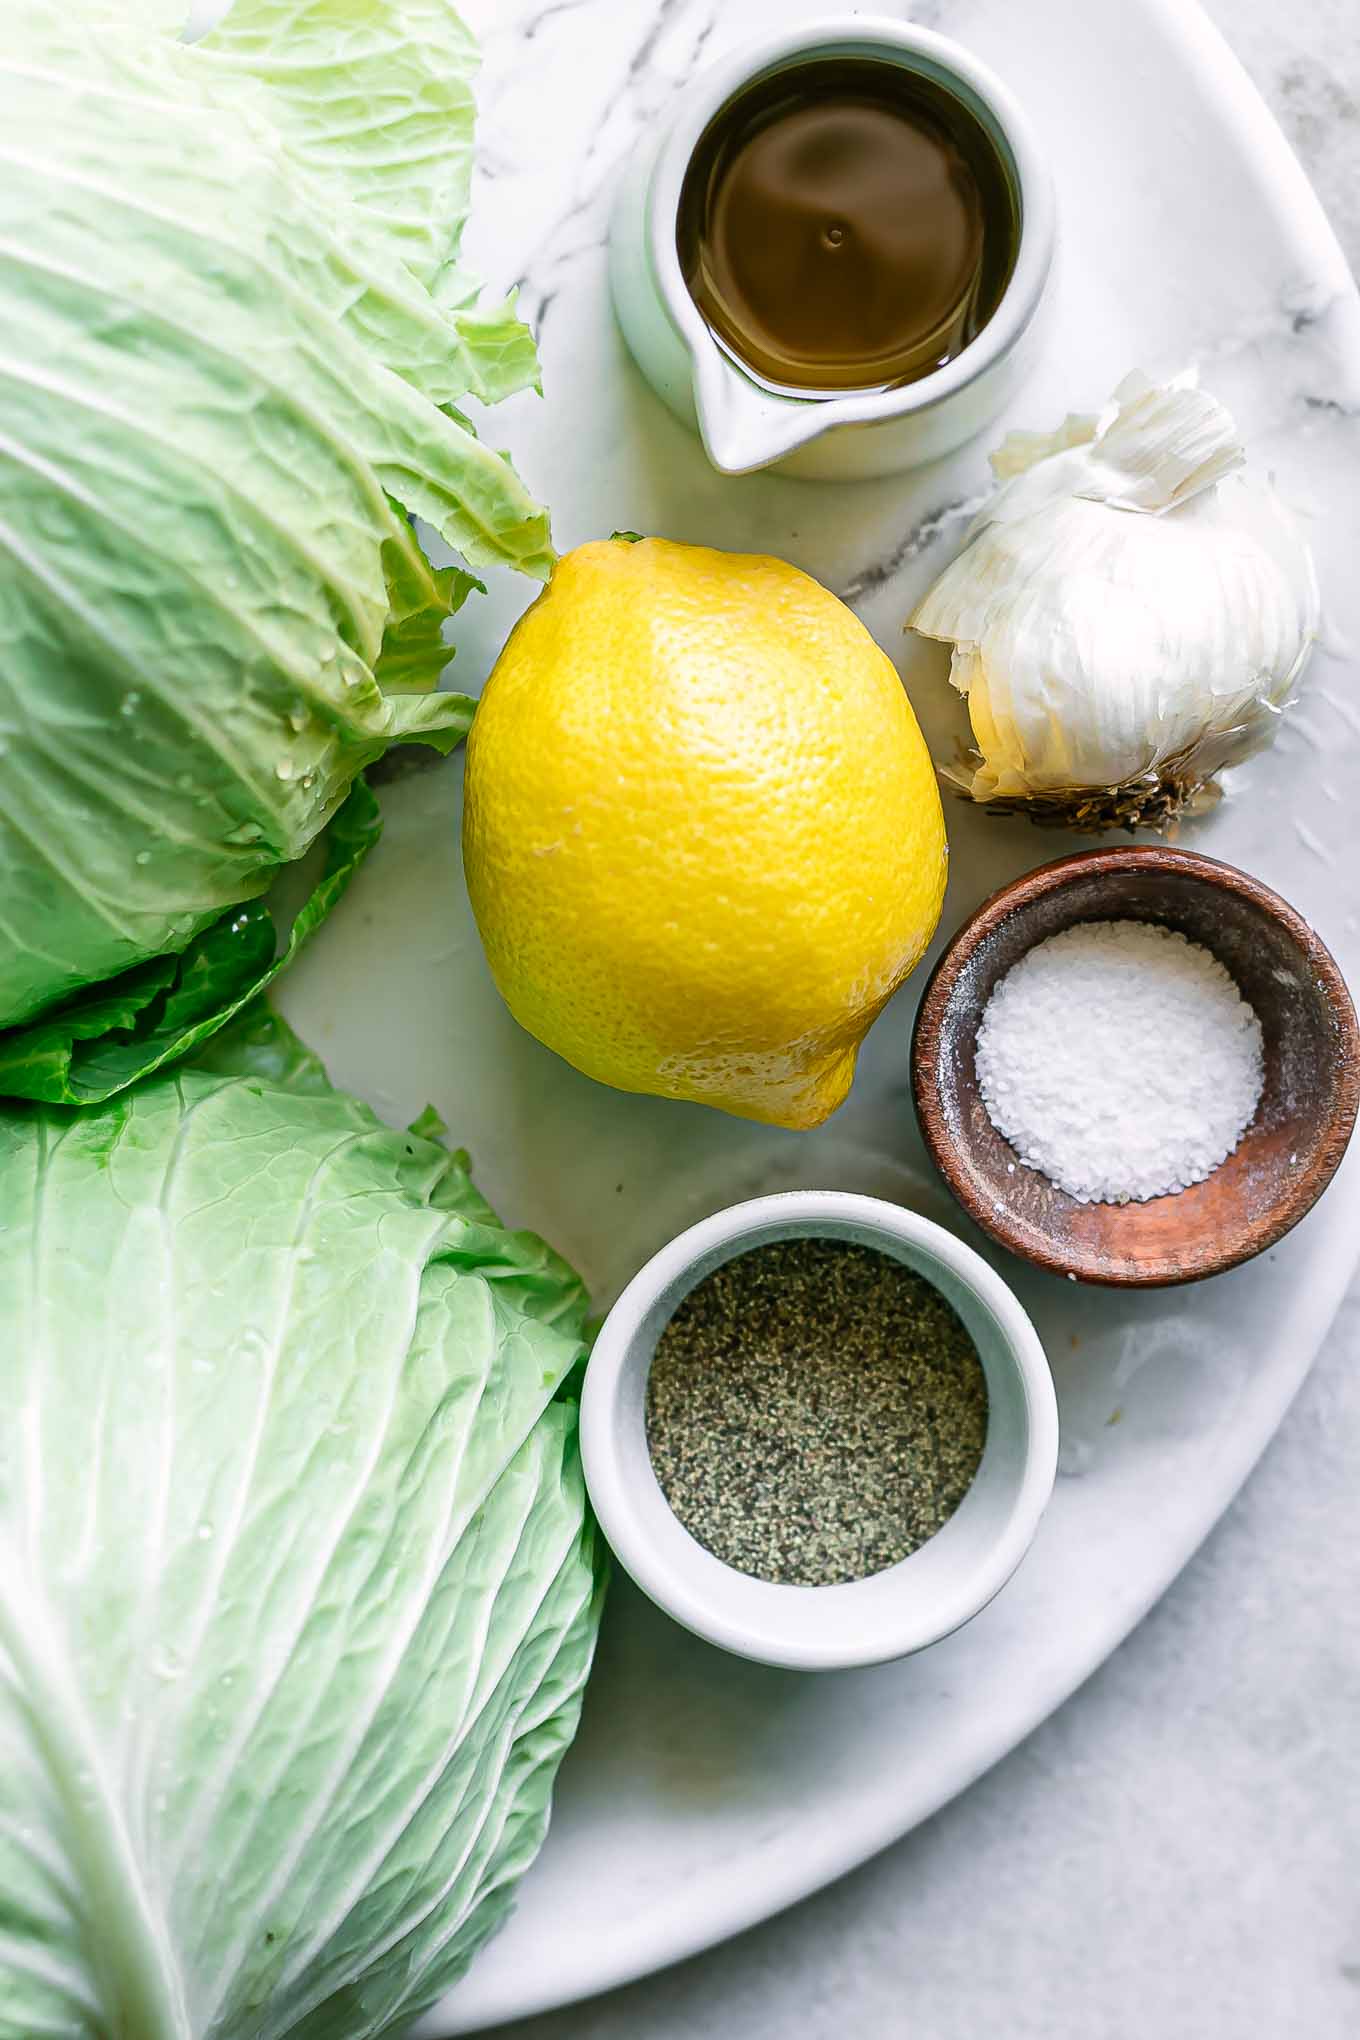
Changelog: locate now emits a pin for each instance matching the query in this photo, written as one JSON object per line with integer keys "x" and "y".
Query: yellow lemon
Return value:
{"x": 703, "y": 838}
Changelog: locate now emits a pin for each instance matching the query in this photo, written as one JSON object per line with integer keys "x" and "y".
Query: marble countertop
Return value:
{"x": 1176, "y": 1853}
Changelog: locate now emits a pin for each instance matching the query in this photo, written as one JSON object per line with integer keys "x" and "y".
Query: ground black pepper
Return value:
{"x": 815, "y": 1411}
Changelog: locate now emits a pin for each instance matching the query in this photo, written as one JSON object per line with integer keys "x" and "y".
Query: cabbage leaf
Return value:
{"x": 234, "y": 339}
{"x": 298, "y": 1587}
{"x": 107, "y": 1038}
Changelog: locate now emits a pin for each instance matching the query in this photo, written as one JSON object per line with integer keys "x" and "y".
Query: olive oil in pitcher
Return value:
{"x": 846, "y": 225}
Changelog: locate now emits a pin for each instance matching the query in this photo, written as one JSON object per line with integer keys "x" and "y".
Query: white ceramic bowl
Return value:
{"x": 821, "y": 436}
{"x": 869, "y": 1621}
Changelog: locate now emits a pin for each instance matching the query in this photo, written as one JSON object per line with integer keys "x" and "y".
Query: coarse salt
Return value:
{"x": 1120, "y": 1059}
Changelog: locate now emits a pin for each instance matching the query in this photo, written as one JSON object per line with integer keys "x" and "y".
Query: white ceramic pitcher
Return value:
{"x": 745, "y": 426}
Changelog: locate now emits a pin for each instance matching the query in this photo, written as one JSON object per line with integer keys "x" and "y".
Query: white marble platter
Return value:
{"x": 705, "y": 1793}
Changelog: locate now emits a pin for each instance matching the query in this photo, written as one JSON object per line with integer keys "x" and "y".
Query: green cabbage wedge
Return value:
{"x": 298, "y": 1587}
{"x": 234, "y": 337}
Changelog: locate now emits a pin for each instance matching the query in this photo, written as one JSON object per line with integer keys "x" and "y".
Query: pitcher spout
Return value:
{"x": 745, "y": 428}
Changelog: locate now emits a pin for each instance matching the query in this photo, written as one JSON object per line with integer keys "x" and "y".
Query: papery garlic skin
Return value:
{"x": 1128, "y": 615}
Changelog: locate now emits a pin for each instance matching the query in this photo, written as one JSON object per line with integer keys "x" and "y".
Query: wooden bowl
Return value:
{"x": 1287, "y": 1155}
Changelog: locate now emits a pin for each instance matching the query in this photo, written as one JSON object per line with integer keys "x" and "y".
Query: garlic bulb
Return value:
{"x": 1128, "y": 615}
